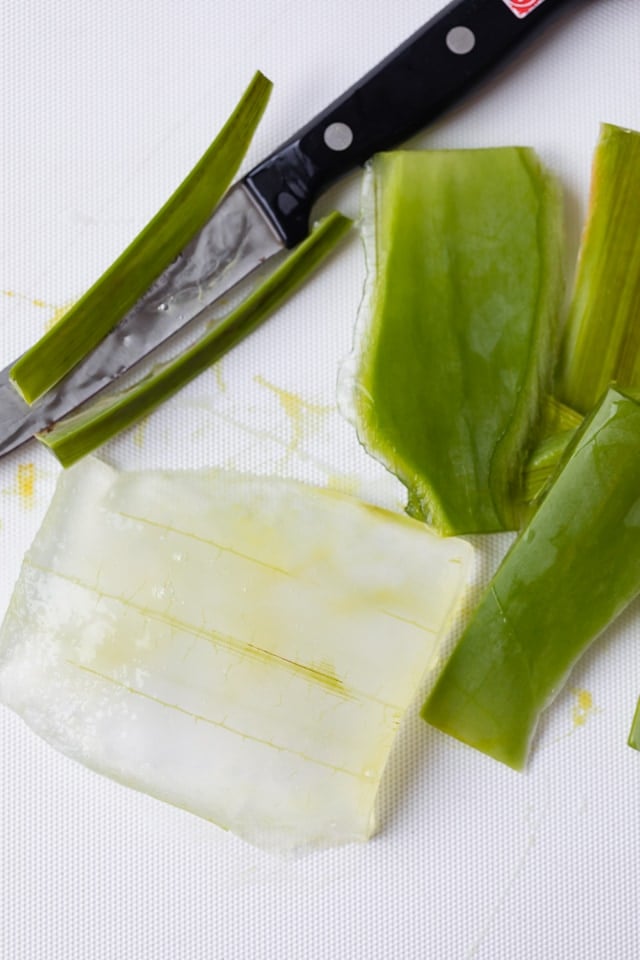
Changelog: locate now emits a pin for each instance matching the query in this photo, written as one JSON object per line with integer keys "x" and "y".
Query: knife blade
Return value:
{"x": 233, "y": 243}
{"x": 269, "y": 209}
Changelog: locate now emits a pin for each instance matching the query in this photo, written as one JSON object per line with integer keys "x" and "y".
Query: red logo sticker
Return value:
{"x": 522, "y": 8}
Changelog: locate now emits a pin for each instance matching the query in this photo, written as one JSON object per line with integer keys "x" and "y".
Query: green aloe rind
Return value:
{"x": 571, "y": 571}
{"x": 457, "y": 333}
{"x": 602, "y": 341}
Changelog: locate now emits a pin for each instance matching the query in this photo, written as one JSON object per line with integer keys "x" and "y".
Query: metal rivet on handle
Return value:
{"x": 461, "y": 40}
{"x": 338, "y": 136}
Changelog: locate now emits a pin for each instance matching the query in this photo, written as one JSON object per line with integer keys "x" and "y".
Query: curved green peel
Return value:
{"x": 80, "y": 433}
{"x": 159, "y": 243}
{"x": 457, "y": 333}
{"x": 571, "y": 571}
{"x": 602, "y": 341}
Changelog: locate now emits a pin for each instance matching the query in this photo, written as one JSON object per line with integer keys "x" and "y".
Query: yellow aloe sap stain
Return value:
{"x": 298, "y": 410}
{"x": 25, "y": 483}
{"x": 583, "y": 707}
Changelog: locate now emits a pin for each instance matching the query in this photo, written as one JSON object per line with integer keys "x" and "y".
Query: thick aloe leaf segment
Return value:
{"x": 160, "y": 242}
{"x": 242, "y": 647}
{"x": 602, "y": 341}
{"x": 571, "y": 571}
{"x": 457, "y": 333}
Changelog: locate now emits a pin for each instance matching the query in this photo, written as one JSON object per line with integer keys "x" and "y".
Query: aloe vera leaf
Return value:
{"x": 458, "y": 328}
{"x": 571, "y": 571}
{"x": 155, "y": 247}
{"x": 78, "y": 434}
{"x": 243, "y": 647}
{"x": 602, "y": 341}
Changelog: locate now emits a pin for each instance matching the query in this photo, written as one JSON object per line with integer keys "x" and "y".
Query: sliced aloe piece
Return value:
{"x": 80, "y": 433}
{"x": 457, "y": 332}
{"x": 242, "y": 647}
{"x": 158, "y": 244}
{"x": 602, "y": 341}
{"x": 571, "y": 571}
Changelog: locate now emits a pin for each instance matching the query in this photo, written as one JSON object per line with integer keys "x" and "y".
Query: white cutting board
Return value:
{"x": 104, "y": 109}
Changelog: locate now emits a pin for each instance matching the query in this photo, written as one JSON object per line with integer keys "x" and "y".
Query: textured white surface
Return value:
{"x": 105, "y": 107}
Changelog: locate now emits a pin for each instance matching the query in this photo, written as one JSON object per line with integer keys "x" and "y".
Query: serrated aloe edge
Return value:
{"x": 572, "y": 570}
{"x": 155, "y": 247}
{"x": 80, "y": 433}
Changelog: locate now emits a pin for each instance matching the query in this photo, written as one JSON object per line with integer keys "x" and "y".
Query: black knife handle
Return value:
{"x": 412, "y": 86}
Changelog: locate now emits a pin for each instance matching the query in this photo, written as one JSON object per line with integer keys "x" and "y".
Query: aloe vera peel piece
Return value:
{"x": 601, "y": 343}
{"x": 457, "y": 331}
{"x": 602, "y": 340}
{"x": 242, "y": 647}
{"x": 79, "y": 434}
{"x": 571, "y": 571}
{"x": 158, "y": 244}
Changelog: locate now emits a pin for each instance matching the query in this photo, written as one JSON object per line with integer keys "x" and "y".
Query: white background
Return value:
{"x": 105, "y": 108}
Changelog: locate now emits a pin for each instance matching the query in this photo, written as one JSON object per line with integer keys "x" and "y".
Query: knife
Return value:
{"x": 269, "y": 209}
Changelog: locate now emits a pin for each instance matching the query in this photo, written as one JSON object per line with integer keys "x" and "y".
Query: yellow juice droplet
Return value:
{"x": 297, "y": 409}
{"x": 25, "y": 484}
{"x": 139, "y": 434}
{"x": 582, "y": 708}
{"x": 219, "y": 375}
{"x": 57, "y": 314}
{"x": 34, "y": 301}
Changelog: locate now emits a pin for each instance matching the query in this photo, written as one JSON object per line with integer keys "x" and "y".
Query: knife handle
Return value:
{"x": 409, "y": 88}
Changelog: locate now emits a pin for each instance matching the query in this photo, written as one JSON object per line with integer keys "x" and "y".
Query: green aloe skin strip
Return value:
{"x": 80, "y": 433}
{"x": 158, "y": 244}
{"x": 457, "y": 333}
{"x": 571, "y": 571}
{"x": 601, "y": 343}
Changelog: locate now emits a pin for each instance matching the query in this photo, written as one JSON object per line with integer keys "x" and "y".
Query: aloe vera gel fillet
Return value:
{"x": 242, "y": 647}
{"x": 456, "y": 336}
{"x": 571, "y": 571}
